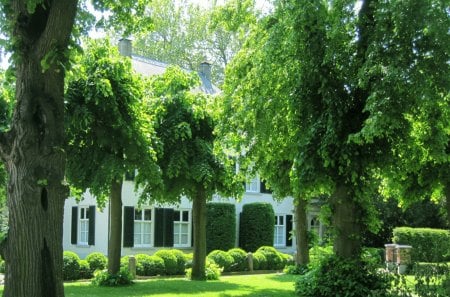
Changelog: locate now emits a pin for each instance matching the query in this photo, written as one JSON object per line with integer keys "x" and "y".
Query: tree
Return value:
{"x": 38, "y": 33}
{"x": 107, "y": 133}
{"x": 312, "y": 70}
{"x": 184, "y": 125}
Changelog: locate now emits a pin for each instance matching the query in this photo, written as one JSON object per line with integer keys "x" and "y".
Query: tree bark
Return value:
{"x": 33, "y": 151}
{"x": 115, "y": 225}
{"x": 199, "y": 220}
{"x": 347, "y": 227}
{"x": 301, "y": 232}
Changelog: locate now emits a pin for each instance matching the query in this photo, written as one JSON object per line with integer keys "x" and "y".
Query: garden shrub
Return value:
{"x": 85, "y": 270}
{"x": 427, "y": 275}
{"x": 221, "y": 258}
{"x": 124, "y": 261}
{"x": 212, "y": 271}
{"x": 428, "y": 245}
{"x": 239, "y": 259}
{"x": 181, "y": 261}
{"x": 256, "y": 226}
{"x": 189, "y": 258}
{"x": 97, "y": 261}
{"x": 147, "y": 265}
{"x": 103, "y": 278}
{"x": 259, "y": 261}
{"x": 317, "y": 254}
{"x": 295, "y": 269}
{"x": 71, "y": 266}
{"x": 373, "y": 255}
{"x": 336, "y": 277}
{"x": 2, "y": 266}
{"x": 273, "y": 257}
{"x": 170, "y": 261}
{"x": 220, "y": 226}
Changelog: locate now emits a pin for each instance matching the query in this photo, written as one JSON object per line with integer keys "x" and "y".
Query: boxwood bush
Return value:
{"x": 71, "y": 266}
{"x": 428, "y": 245}
{"x": 170, "y": 261}
{"x": 259, "y": 261}
{"x": 220, "y": 226}
{"x": 221, "y": 258}
{"x": 239, "y": 259}
{"x": 97, "y": 261}
{"x": 85, "y": 270}
{"x": 181, "y": 261}
{"x": 274, "y": 259}
{"x": 256, "y": 226}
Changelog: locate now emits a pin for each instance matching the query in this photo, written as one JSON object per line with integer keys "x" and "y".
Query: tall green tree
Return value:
{"x": 38, "y": 34}
{"x": 184, "y": 125}
{"x": 107, "y": 133}
{"x": 309, "y": 70}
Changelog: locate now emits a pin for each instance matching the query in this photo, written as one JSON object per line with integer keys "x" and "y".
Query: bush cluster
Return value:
{"x": 103, "y": 278}
{"x": 256, "y": 226}
{"x": 429, "y": 245}
{"x": 220, "y": 226}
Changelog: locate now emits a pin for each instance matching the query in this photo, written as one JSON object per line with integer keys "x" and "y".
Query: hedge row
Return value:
{"x": 220, "y": 226}
{"x": 428, "y": 245}
{"x": 175, "y": 262}
{"x": 256, "y": 226}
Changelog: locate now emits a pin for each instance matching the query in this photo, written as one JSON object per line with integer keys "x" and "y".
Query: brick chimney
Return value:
{"x": 125, "y": 48}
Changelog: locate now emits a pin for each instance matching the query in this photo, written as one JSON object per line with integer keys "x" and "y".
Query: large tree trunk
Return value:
{"x": 301, "y": 232}
{"x": 346, "y": 223}
{"x": 33, "y": 151}
{"x": 199, "y": 220}
{"x": 115, "y": 227}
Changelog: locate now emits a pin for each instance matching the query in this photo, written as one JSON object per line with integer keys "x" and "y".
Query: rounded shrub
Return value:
{"x": 181, "y": 260}
{"x": 220, "y": 226}
{"x": 273, "y": 257}
{"x": 97, "y": 261}
{"x": 348, "y": 277}
{"x": 147, "y": 265}
{"x": 124, "y": 261}
{"x": 256, "y": 226}
{"x": 221, "y": 258}
{"x": 71, "y": 266}
{"x": 259, "y": 261}
{"x": 239, "y": 259}
{"x": 170, "y": 261}
{"x": 85, "y": 270}
{"x": 103, "y": 278}
{"x": 212, "y": 271}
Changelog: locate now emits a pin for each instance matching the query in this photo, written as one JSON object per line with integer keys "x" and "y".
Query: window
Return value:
{"x": 314, "y": 225}
{"x": 252, "y": 186}
{"x": 83, "y": 225}
{"x": 142, "y": 227}
{"x": 83, "y": 236}
{"x": 280, "y": 231}
{"x": 181, "y": 228}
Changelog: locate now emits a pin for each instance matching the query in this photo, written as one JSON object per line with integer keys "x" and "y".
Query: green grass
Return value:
{"x": 261, "y": 285}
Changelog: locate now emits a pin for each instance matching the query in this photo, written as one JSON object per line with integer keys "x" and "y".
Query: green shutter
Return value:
{"x": 128, "y": 226}
{"x": 91, "y": 236}
{"x": 164, "y": 227}
{"x": 74, "y": 229}
{"x": 288, "y": 230}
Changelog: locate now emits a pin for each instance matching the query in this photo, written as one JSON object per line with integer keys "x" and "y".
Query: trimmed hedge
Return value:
{"x": 220, "y": 226}
{"x": 71, "y": 266}
{"x": 221, "y": 258}
{"x": 428, "y": 245}
{"x": 97, "y": 261}
{"x": 256, "y": 226}
{"x": 181, "y": 261}
{"x": 170, "y": 261}
{"x": 274, "y": 259}
{"x": 240, "y": 262}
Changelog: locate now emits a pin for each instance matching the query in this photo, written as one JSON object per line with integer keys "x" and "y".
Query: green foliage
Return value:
{"x": 259, "y": 261}
{"x": 212, "y": 271}
{"x": 256, "y": 226}
{"x": 170, "y": 261}
{"x": 274, "y": 259}
{"x": 220, "y": 226}
{"x": 182, "y": 259}
{"x": 429, "y": 245}
{"x": 107, "y": 129}
{"x": 239, "y": 259}
{"x": 221, "y": 258}
{"x": 295, "y": 269}
{"x": 336, "y": 277}
{"x": 97, "y": 261}
{"x": 71, "y": 266}
{"x": 105, "y": 279}
{"x": 2, "y": 266}
{"x": 318, "y": 254}
{"x": 431, "y": 279}
{"x": 85, "y": 270}
{"x": 149, "y": 265}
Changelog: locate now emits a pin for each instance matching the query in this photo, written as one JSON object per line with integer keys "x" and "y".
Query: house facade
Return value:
{"x": 148, "y": 228}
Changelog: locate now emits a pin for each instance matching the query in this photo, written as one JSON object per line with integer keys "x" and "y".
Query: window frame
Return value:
{"x": 83, "y": 209}
{"x": 142, "y": 221}
{"x": 276, "y": 231}
{"x": 179, "y": 223}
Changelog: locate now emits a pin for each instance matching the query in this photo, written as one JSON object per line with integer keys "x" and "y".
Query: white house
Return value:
{"x": 86, "y": 227}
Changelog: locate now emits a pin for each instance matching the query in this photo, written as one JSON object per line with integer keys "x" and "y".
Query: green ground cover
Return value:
{"x": 267, "y": 285}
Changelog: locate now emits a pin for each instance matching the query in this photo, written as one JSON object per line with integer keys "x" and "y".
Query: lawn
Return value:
{"x": 262, "y": 285}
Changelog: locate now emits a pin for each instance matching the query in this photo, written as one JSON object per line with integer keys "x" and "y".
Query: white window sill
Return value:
{"x": 83, "y": 245}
